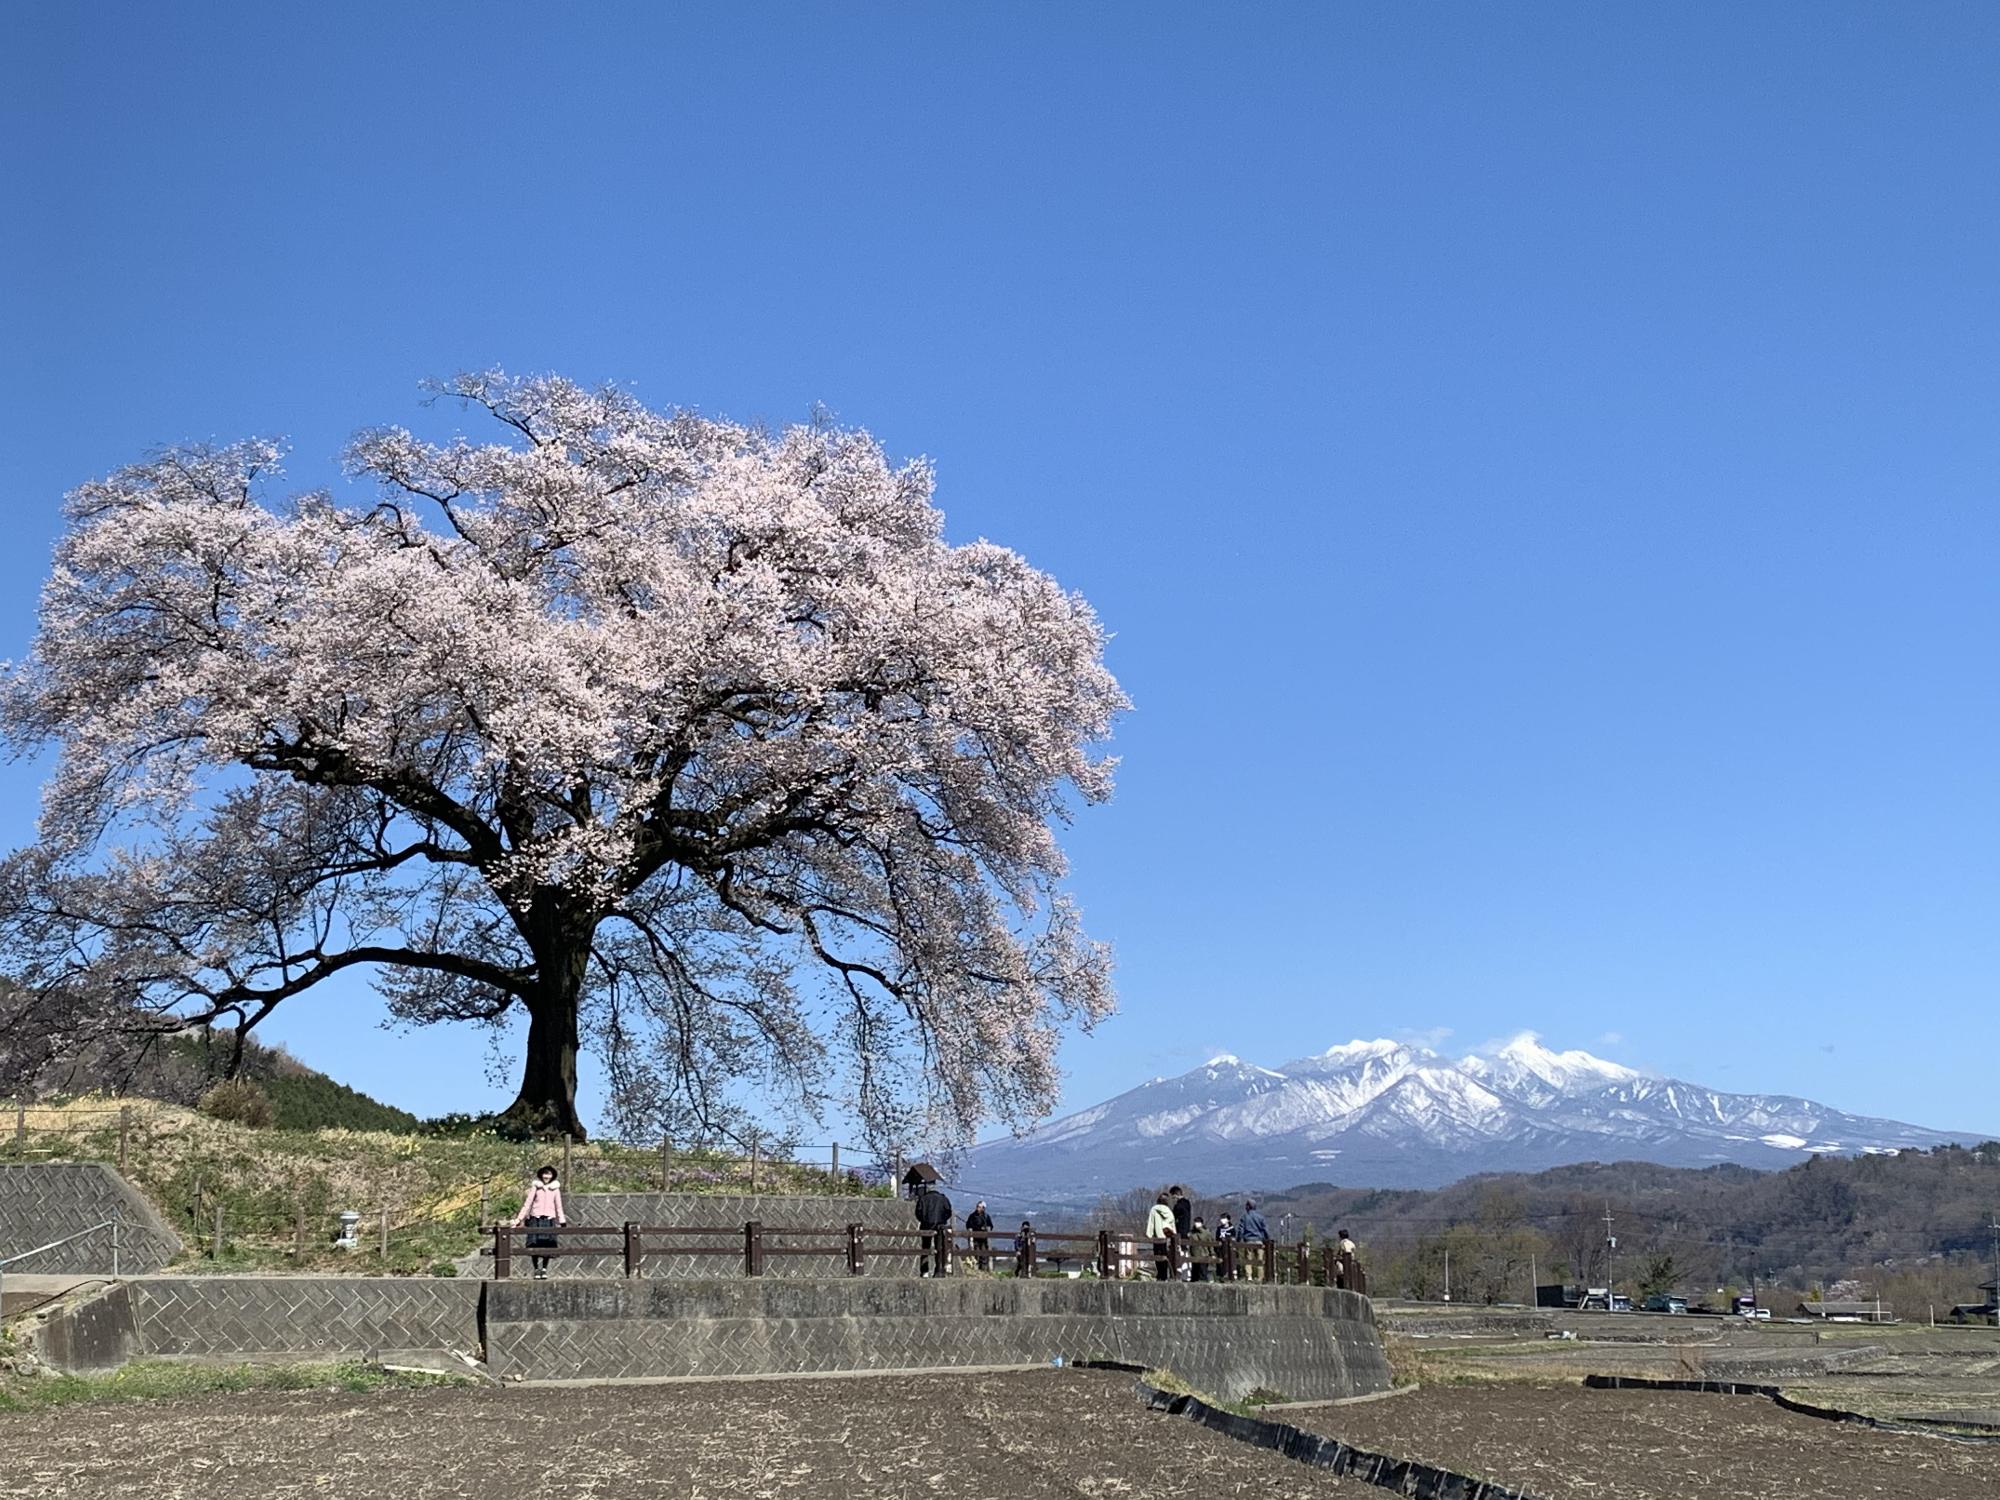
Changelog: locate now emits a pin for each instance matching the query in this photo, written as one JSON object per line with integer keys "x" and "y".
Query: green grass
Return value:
{"x": 163, "y": 1380}
{"x": 434, "y": 1185}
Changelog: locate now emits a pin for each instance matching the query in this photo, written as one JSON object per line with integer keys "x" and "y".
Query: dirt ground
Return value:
{"x": 1059, "y": 1433}
{"x": 1575, "y": 1444}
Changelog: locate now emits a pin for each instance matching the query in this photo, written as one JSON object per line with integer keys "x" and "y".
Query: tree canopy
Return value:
{"x": 687, "y": 740}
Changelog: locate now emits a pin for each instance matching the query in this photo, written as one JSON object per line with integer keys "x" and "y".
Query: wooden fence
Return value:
{"x": 937, "y": 1252}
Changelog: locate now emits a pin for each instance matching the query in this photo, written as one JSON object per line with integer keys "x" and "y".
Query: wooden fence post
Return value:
{"x": 1104, "y": 1270}
{"x": 483, "y": 1202}
{"x": 385, "y": 1229}
{"x": 631, "y": 1250}
{"x": 299, "y": 1229}
{"x": 503, "y": 1251}
{"x": 197, "y": 1205}
{"x": 1026, "y": 1266}
{"x": 856, "y": 1257}
{"x": 569, "y": 1143}
{"x": 124, "y": 1135}
{"x": 753, "y": 1249}
{"x": 836, "y": 1162}
{"x": 20, "y": 1124}
{"x": 753, "y": 1166}
{"x": 215, "y": 1245}
{"x": 666, "y": 1162}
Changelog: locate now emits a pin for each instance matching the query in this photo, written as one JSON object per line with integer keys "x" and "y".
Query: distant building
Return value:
{"x": 1848, "y": 1312}
{"x": 1987, "y": 1311}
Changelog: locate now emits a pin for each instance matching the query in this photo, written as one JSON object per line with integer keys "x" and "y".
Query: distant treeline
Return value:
{"x": 1914, "y": 1224}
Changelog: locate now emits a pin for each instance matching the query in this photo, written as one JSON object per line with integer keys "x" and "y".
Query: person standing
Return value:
{"x": 979, "y": 1224}
{"x": 1023, "y": 1237}
{"x": 1225, "y": 1243}
{"x": 934, "y": 1219}
{"x": 542, "y": 1209}
{"x": 1346, "y": 1262}
{"x": 1252, "y": 1231}
{"x": 1160, "y": 1230}
{"x": 1183, "y": 1226}
{"x": 1198, "y": 1246}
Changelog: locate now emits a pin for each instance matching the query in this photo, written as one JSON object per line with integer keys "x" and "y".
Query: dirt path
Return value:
{"x": 1573, "y": 1444}
{"x": 995, "y": 1437}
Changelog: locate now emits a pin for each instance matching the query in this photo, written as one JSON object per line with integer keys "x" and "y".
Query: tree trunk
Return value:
{"x": 546, "y": 1104}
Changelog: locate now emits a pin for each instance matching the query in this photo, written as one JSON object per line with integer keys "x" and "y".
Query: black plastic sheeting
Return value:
{"x": 1774, "y": 1394}
{"x": 1315, "y": 1450}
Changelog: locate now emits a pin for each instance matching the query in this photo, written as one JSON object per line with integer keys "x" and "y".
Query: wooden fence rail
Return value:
{"x": 1109, "y": 1255}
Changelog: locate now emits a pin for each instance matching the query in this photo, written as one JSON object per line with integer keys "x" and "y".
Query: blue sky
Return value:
{"x": 1539, "y": 461}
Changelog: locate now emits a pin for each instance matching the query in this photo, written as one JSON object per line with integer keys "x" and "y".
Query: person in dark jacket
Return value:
{"x": 1183, "y": 1226}
{"x": 977, "y": 1224}
{"x": 934, "y": 1218}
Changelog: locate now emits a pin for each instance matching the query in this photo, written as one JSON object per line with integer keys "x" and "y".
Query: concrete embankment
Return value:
{"x": 1302, "y": 1342}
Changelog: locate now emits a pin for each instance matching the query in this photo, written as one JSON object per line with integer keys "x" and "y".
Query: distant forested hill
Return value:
{"x": 1916, "y": 1221}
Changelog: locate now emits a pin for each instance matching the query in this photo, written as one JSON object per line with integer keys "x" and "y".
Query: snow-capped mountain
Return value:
{"x": 1390, "y": 1114}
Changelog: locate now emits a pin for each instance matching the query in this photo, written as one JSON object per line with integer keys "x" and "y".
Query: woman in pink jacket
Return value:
{"x": 543, "y": 1209}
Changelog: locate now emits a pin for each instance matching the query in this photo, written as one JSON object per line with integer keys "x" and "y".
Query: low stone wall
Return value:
{"x": 1308, "y": 1343}
{"x": 825, "y": 1219}
{"x": 45, "y": 1201}
{"x": 260, "y": 1317}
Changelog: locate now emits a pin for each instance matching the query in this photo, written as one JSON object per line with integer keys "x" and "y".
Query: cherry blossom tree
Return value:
{"x": 691, "y": 741}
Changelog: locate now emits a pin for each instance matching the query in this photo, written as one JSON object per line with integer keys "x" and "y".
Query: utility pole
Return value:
{"x": 1994, "y": 1226}
{"x": 1610, "y": 1244}
{"x": 1534, "y": 1283}
{"x": 1447, "y": 1273}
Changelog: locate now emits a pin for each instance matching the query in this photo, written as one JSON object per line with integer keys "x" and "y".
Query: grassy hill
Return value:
{"x": 281, "y": 1190}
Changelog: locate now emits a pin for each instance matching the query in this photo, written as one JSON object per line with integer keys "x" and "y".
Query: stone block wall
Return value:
{"x": 46, "y": 1201}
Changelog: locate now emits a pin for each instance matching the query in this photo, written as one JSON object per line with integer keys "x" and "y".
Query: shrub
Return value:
{"x": 239, "y": 1101}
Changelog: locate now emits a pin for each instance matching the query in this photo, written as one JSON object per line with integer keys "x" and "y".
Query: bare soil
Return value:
{"x": 952, "y": 1437}
{"x": 1575, "y": 1444}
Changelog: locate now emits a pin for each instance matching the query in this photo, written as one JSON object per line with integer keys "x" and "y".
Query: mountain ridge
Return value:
{"x": 1391, "y": 1114}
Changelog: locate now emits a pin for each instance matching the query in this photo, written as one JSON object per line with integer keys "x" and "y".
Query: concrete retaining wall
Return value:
{"x": 257, "y": 1317}
{"x": 45, "y": 1201}
{"x": 1308, "y": 1343}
